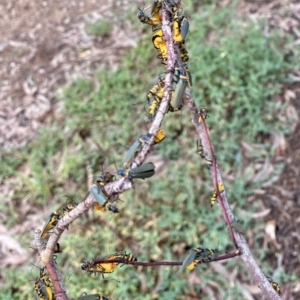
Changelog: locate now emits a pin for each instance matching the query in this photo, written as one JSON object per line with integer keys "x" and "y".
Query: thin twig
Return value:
{"x": 216, "y": 181}
{"x": 241, "y": 243}
{"x": 159, "y": 263}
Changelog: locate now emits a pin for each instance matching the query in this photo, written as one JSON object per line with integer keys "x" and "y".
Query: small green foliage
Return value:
{"x": 244, "y": 72}
{"x": 99, "y": 28}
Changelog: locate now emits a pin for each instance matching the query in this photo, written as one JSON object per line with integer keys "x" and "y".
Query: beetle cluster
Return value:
{"x": 144, "y": 171}
{"x": 43, "y": 287}
{"x": 97, "y": 191}
{"x": 181, "y": 75}
{"x": 110, "y": 265}
{"x": 54, "y": 218}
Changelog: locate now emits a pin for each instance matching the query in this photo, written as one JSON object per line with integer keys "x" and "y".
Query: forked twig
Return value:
{"x": 238, "y": 240}
{"x": 124, "y": 184}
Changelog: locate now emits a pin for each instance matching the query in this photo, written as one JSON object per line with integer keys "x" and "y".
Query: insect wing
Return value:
{"x": 206, "y": 254}
{"x": 47, "y": 292}
{"x": 184, "y": 27}
{"x": 98, "y": 195}
{"x": 177, "y": 98}
{"x": 131, "y": 151}
{"x": 144, "y": 171}
{"x": 143, "y": 175}
{"x": 52, "y": 222}
{"x": 156, "y": 6}
{"x": 134, "y": 147}
{"x": 189, "y": 258}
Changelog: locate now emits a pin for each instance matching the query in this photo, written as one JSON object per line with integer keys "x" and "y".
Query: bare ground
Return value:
{"x": 43, "y": 45}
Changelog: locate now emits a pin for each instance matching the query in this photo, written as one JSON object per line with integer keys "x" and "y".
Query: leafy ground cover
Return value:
{"x": 239, "y": 74}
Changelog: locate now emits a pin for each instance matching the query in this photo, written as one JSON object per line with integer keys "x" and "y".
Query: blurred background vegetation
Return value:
{"x": 238, "y": 71}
